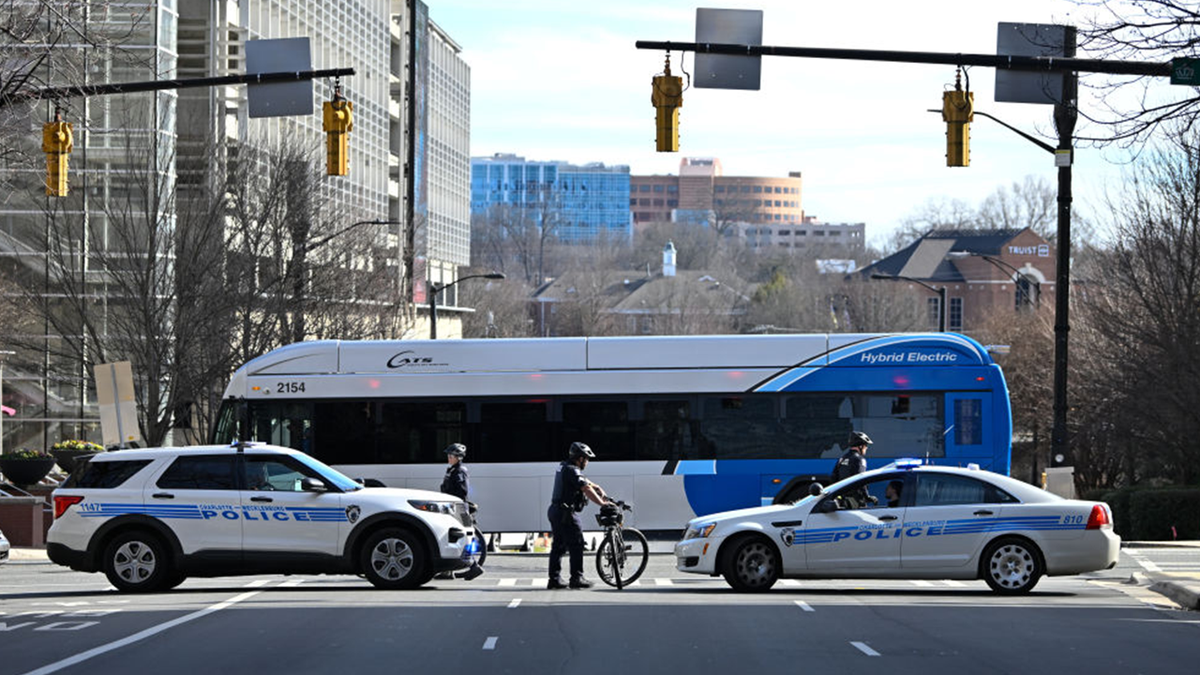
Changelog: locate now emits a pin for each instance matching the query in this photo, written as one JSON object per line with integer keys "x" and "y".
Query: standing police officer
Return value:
{"x": 571, "y": 494}
{"x": 456, "y": 482}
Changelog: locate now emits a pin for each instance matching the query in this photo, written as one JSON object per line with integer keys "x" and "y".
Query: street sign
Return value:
{"x": 1185, "y": 71}
{"x": 118, "y": 409}
{"x": 728, "y": 26}
{"x": 279, "y": 98}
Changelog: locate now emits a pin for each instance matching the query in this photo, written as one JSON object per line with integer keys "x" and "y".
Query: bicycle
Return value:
{"x": 624, "y": 552}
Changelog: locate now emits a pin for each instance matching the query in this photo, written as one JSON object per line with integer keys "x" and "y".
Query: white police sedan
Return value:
{"x": 906, "y": 521}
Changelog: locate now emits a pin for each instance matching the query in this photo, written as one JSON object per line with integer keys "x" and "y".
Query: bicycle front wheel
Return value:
{"x": 622, "y": 564}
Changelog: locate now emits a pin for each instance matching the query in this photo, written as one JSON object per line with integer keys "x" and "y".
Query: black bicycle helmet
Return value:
{"x": 581, "y": 450}
{"x": 858, "y": 438}
{"x": 457, "y": 449}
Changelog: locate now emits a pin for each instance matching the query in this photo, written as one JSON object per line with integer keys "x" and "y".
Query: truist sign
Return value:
{"x": 1041, "y": 250}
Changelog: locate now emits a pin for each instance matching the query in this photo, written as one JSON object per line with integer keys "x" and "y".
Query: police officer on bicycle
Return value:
{"x": 571, "y": 494}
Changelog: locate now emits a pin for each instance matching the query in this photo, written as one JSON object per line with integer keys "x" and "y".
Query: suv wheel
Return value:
{"x": 137, "y": 562}
{"x": 393, "y": 558}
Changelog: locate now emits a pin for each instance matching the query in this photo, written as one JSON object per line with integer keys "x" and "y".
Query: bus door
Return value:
{"x": 968, "y": 432}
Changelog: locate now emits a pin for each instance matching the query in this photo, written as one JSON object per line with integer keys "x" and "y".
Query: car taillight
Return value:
{"x": 1099, "y": 517}
{"x": 61, "y": 504}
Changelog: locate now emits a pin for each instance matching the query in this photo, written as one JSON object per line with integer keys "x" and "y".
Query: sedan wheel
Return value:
{"x": 753, "y": 566}
{"x": 1012, "y": 566}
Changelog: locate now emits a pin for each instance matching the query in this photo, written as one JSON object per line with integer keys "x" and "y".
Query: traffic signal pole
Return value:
{"x": 1066, "y": 114}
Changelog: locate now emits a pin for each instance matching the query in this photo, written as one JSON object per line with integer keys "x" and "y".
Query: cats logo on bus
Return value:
{"x": 400, "y": 360}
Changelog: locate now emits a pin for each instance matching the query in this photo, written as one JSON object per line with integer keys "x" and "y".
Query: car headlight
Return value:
{"x": 432, "y": 507}
{"x": 699, "y": 530}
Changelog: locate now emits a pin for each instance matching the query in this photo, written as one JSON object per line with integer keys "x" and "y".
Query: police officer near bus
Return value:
{"x": 852, "y": 463}
{"x": 571, "y": 494}
{"x": 456, "y": 482}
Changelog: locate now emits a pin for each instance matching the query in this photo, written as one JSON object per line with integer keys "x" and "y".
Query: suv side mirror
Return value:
{"x": 815, "y": 489}
{"x": 309, "y": 484}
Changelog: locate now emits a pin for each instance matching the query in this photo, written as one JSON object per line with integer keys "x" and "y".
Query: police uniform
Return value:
{"x": 456, "y": 482}
{"x": 566, "y": 501}
{"x": 850, "y": 464}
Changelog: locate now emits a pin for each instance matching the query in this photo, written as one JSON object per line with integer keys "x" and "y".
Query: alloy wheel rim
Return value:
{"x": 392, "y": 559}
{"x": 1012, "y": 566}
{"x": 134, "y": 562}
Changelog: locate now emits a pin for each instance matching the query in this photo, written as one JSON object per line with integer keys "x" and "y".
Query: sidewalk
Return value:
{"x": 27, "y": 555}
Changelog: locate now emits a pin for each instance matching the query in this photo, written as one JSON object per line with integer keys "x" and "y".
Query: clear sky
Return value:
{"x": 562, "y": 80}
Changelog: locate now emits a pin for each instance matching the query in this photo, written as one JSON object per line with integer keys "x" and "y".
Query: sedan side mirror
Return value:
{"x": 310, "y": 484}
{"x": 816, "y": 490}
{"x": 827, "y": 506}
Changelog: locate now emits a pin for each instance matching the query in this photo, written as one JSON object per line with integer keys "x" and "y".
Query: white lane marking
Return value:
{"x": 922, "y": 583}
{"x": 490, "y": 643}
{"x": 1147, "y": 565}
{"x": 662, "y": 582}
{"x": 291, "y": 583}
{"x": 138, "y": 637}
{"x": 789, "y": 582}
{"x": 862, "y": 647}
{"x": 514, "y": 603}
{"x": 955, "y": 583}
{"x": 804, "y": 606}
{"x": 258, "y": 582}
{"x": 508, "y": 582}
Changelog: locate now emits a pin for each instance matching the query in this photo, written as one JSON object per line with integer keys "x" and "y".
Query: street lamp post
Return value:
{"x": 1018, "y": 274}
{"x": 941, "y": 293}
{"x": 434, "y": 289}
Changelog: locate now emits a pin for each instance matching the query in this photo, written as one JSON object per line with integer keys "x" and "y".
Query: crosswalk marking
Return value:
{"x": 922, "y": 583}
{"x": 514, "y": 603}
{"x": 507, "y": 582}
{"x": 804, "y": 606}
{"x": 662, "y": 582}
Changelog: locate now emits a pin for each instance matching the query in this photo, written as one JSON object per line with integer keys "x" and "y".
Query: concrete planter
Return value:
{"x": 23, "y": 472}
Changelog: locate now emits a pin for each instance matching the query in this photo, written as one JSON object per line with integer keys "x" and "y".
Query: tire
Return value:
{"x": 482, "y": 546}
{"x": 136, "y": 561}
{"x": 633, "y": 556}
{"x": 1011, "y": 566}
{"x": 394, "y": 559}
{"x": 174, "y": 580}
{"x": 752, "y": 566}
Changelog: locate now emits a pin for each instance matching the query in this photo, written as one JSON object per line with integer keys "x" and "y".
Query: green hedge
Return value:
{"x": 1148, "y": 514}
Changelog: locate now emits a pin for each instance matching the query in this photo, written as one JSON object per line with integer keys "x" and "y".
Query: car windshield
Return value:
{"x": 339, "y": 480}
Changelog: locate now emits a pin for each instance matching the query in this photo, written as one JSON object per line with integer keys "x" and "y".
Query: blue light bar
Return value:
{"x": 908, "y": 463}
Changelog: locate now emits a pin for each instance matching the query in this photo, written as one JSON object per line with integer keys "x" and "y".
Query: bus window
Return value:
{"x": 285, "y": 423}
{"x": 665, "y": 431}
{"x": 904, "y": 425}
{"x": 513, "y": 432}
{"x": 742, "y": 427}
{"x": 816, "y": 425}
{"x": 968, "y": 421}
{"x": 603, "y": 425}
{"x": 416, "y": 432}
{"x": 344, "y": 432}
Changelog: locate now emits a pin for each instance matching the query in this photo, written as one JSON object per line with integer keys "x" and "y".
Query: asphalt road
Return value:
{"x": 56, "y": 621}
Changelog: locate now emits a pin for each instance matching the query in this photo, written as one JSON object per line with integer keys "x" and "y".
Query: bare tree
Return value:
{"x": 1132, "y": 108}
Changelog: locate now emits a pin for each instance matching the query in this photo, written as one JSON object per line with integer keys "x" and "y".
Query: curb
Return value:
{"x": 1184, "y": 595}
{"x": 1160, "y": 544}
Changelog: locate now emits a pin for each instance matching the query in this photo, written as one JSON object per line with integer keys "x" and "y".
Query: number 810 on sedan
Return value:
{"x": 906, "y": 521}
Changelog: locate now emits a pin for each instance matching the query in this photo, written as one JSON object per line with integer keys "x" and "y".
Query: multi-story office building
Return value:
{"x": 701, "y": 193}
{"x": 57, "y": 249}
{"x": 809, "y": 236}
{"x": 582, "y": 203}
{"x": 408, "y": 165}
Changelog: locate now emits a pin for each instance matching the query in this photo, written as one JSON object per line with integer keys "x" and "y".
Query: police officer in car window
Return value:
{"x": 571, "y": 494}
{"x": 456, "y": 482}
{"x": 852, "y": 463}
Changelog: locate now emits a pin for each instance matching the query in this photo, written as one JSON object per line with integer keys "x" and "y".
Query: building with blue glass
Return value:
{"x": 581, "y": 203}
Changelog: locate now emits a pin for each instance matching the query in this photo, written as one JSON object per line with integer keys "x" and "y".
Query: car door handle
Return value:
{"x": 887, "y": 517}
{"x": 983, "y": 512}
{"x": 261, "y": 499}
{"x": 163, "y": 495}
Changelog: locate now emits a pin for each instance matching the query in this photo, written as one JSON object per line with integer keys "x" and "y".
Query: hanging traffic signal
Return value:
{"x": 57, "y": 142}
{"x": 339, "y": 121}
{"x": 958, "y": 111}
{"x": 667, "y": 98}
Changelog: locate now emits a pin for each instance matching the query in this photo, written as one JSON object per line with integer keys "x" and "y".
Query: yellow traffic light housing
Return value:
{"x": 339, "y": 121}
{"x": 958, "y": 111}
{"x": 667, "y": 98}
{"x": 57, "y": 142}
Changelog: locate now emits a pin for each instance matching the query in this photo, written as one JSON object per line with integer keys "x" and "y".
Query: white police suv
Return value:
{"x": 906, "y": 521}
{"x": 150, "y": 518}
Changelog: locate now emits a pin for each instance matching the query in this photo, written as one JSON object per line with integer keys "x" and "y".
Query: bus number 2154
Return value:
{"x": 289, "y": 387}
